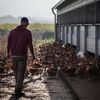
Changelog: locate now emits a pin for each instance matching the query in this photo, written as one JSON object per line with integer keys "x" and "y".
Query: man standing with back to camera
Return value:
{"x": 19, "y": 40}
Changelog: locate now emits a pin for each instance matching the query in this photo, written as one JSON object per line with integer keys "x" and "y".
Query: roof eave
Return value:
{"x": 59, "y": 3}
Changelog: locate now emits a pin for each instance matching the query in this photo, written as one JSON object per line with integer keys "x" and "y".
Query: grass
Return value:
{"x": 39, "y": 27}
{"x": 34, "y": 26}
{"x": 41, "y": 42}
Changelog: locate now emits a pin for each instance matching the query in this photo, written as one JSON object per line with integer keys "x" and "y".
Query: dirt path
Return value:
{"x": 36, "y": 89}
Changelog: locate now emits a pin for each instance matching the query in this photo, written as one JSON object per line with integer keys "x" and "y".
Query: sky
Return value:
{"x": 28, "y": 8}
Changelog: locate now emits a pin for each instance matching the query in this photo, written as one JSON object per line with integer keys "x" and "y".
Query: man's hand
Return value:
{"x": 9, "y": 59}
{"x": 33, "y": 57}
{"x": 9, "y": 56}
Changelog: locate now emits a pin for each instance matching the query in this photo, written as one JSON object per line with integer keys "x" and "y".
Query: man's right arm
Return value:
{"x": 31, "y": 49}
{"x": 31, "y": 45}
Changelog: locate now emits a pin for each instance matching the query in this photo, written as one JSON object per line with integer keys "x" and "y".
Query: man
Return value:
{"x": 19, "y": 40}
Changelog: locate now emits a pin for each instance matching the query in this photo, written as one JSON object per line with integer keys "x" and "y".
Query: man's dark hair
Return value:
{"x": 24, "y": 19}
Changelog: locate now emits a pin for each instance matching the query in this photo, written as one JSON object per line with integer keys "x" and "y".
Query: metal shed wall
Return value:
{"x": 82, "y": 38}
{"x": 65, "y": 34}
{"x": 69, "y": 34}
{"x": 98, "y": 41}
{"x": 88, "y": 14}
{"x": 98, "y": 12}
{"x": 84, "y": 21}
{"x": 58, "y": 33}
{"x": 99, "y": 46}
{"x": 61, "y": 33}
{"x": 74, "y": 36}
{"x": 91, "y": 39}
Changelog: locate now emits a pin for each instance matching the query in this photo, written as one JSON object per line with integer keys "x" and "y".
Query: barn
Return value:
{"x": 78, "y": 22}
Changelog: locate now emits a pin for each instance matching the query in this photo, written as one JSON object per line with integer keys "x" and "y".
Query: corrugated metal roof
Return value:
{"x": 76, "y": 2}
{"x": 75, "y": 5}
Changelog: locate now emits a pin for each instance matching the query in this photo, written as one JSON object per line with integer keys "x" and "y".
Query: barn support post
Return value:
{"x": 72, "y": 30}
{"x": 59, "y": 32}
{"x": 78, "y": 38}
{"x": 82, "y": 38}
{"x": 96, "y": 40}
{"x": 63, "y": 34}
{"x": 69, "y": 34}
{"x": 86, "y": 34}
{"x": 66, "y": 33}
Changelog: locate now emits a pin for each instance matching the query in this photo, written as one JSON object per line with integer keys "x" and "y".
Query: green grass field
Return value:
{"x": 40, "y": 42}
{"x": 35, "y": 26}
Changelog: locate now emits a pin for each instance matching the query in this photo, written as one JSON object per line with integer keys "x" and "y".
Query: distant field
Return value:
{"x": 35, "y": 26}
{"x": 41, "y": 42}
{"x": 42, "y": 33}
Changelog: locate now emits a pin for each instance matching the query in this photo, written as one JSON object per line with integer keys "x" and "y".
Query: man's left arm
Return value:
{"x": 9, "y": 46}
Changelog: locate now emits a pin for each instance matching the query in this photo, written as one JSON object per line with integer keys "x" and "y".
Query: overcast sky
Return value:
{"x": 29, "y": 8}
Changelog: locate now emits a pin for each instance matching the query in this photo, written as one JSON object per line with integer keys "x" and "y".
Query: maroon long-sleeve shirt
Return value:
{"x": 19, "y": 40}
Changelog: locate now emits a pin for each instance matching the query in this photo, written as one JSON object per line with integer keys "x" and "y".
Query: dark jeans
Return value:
{"x": 19, "y": 66}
